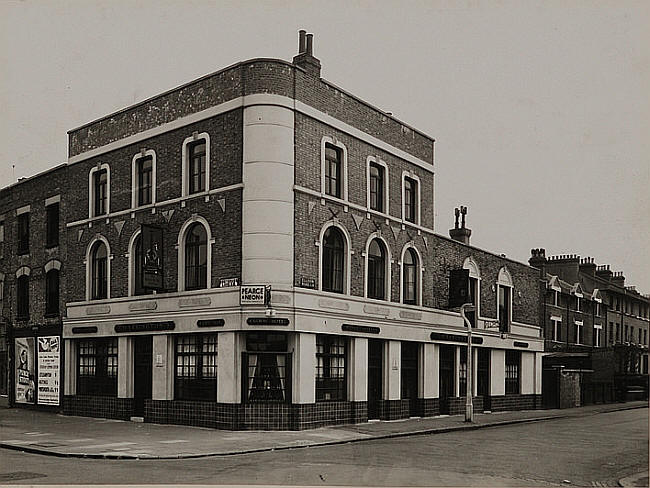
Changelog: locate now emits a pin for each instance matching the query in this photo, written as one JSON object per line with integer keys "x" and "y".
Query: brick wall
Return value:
{"x": 33, "y": 192}
{"x": 225, "y": 169}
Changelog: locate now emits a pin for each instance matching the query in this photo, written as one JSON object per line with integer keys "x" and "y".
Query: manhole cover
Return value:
{"x": 20, "y": 475}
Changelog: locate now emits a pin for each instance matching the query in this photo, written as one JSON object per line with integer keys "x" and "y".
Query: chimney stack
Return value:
{"x": 618, "y": 279}
{"x": 460, "y": 234}
{"x": 588, "y": 267}
{"x": 305, "y": 58}
{"x": 537, "y": 258}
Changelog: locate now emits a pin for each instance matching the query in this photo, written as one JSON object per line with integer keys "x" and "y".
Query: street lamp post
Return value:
{"x": 469, "y": 407}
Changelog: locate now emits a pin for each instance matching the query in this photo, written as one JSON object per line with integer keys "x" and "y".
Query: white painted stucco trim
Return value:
{"x": 505, "y": 279}
{"x": 145, "y": 153}
{"x": 23, "y": 271}
{"x": 52, "y": 264}
{"x": 52, "y": 200}
{"x": 246, "y": 101}
{"x": 131, "y": 261}
{"x": 474, "y": 272}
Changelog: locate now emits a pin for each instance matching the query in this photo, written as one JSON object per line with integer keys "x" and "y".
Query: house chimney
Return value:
{"x": 588, "y": 267}
{"x": 537, "y": 258}
{"x": 618, "y": 279}
{"x": 460, "y": 234}
{"x": 305, "y": 58}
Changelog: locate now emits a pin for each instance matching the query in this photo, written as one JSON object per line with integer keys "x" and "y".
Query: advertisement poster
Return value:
{"x": 25, "y": 388}
{"x": 49, "y": 363}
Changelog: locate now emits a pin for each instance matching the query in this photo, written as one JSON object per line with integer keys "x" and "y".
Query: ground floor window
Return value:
{"x": 446, "y": 373}
{"x": 331, "y": 360}
{"x": 462, "y": 372}
{"x": 196, "y": 367}
{"x": 513, "y": 366}
{"x": 97, "y": 367}
{"x": 409, "y": 370}
{"x": 266, "y": 368}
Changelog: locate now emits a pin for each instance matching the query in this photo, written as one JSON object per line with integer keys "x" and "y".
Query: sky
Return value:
{"x": 540, "y": 110}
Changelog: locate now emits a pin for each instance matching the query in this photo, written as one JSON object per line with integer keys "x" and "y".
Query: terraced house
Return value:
{"x": 255, "y": 249}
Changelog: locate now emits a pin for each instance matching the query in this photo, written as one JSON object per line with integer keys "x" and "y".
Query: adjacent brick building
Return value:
{"x": 191, "y": 204}
{"x": 32, "y": 291}
{"x": 594, "y": 325}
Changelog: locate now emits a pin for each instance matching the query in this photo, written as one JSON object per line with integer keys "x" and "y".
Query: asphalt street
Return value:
{"x": 595, "y": 450}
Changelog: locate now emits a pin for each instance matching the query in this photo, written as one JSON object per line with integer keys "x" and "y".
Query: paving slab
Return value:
{"x": 70, "y": 436}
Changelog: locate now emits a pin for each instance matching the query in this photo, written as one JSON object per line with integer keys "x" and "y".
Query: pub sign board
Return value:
{"x": 458, "y": 287}
{"x": 253, "y": 295}
{"x": 152, "y": 253}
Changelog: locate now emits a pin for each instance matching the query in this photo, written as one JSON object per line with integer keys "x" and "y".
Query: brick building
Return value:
{"x": 196, "y": 201}
{"x": 594, "y": 324}
{"x": 32, "y": 257}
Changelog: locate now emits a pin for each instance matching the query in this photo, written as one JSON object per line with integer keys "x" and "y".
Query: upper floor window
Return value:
{"x": 197, "y": 167}
{"x": 597, "y": 309}
{"x": 196, "y": 257}
{"x": 557, "y": 328}
{"x": 100, "y": 182}
{"x": 144, "y": 168}
{"x": 578, "y": 330}
{"x": 377, "y": 186}
{"x": 333, "y": 170}
{"x": 196, "y": 163}
{"x": 22, "y": 297}
{"x": 556, "y": 298}
{"x": 474, "y": 289}
{"x": 578, "y": 304}
{"x": 333, "y": 245}
{"x": 23, "y": 233}
{"x": 99, "y": 271}
{"x": 2, "y": 237}
{"x": 52, "y": 225}
{"x": 410, "y": 280}
{"x": 504, "y": 298}
{"x": 376, "y": 270}
{"x": 410, "y": 198}
{"x": 52, "y": 292}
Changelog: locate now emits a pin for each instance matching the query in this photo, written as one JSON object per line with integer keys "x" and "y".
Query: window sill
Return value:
{"x": 51, "y": 315}
{"x": 51, "y": 246}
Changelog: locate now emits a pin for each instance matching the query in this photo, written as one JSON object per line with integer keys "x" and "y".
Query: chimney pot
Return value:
{"x": 310, "y": 44}
{"x": 302, "y": 45}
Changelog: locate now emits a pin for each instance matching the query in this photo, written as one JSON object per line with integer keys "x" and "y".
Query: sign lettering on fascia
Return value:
{"x": 252, "y": 295}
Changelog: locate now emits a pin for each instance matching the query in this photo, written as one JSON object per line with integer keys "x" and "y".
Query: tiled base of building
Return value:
{"x": 456, "y": 405}
{"x": 98, "y": 406}
{"x": 255, "y": 416}
{"x": 515, "y": 402}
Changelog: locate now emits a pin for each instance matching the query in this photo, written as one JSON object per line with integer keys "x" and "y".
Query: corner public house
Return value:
{"x": 300, "y": 280}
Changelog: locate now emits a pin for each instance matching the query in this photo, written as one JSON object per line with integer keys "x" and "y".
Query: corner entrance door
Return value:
{"x": 142, "y": 358}
{"x": 375, "y": 370}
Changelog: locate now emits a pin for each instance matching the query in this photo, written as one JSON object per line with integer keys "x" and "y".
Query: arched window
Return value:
{"x": 138, "y": 270}
{"x": 22, "y": 297}
{"x": 410, "y": 277}
{"x": 196, "y": 258}
{"x": 333, "y": 260}
{"x": 504, "y": 299}
{"x": 99, "y": 271}
{"x": 474, "y": 288}
{"x": 52, "y": 292}
{"x": 376, "y": 270}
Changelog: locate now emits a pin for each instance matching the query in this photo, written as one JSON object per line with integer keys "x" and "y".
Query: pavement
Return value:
{"x": 640, "y": 479}
{"x": 68, "y": 436}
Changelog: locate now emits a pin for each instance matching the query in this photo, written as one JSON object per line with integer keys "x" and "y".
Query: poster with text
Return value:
{"x": 49, "y": 364}
{"x": 25, "y": 388}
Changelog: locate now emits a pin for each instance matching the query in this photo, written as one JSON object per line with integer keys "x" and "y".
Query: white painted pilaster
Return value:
{"x": 70, "y": 369}
{"x": 358, "y": 368}
{"x": 538, "y": 373}
{"x": 228, "y": 368}
{"x": 527, "y": 374}
{"x": 457, "y": 391}
{"x": 430, "y": 370}
{"x": 392, "y": 370}
{"x": 125, "y": 378}
{"x": 163, "y": 368}
{"x": 303, "y": 381}
{"x": 497, "y": 372}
